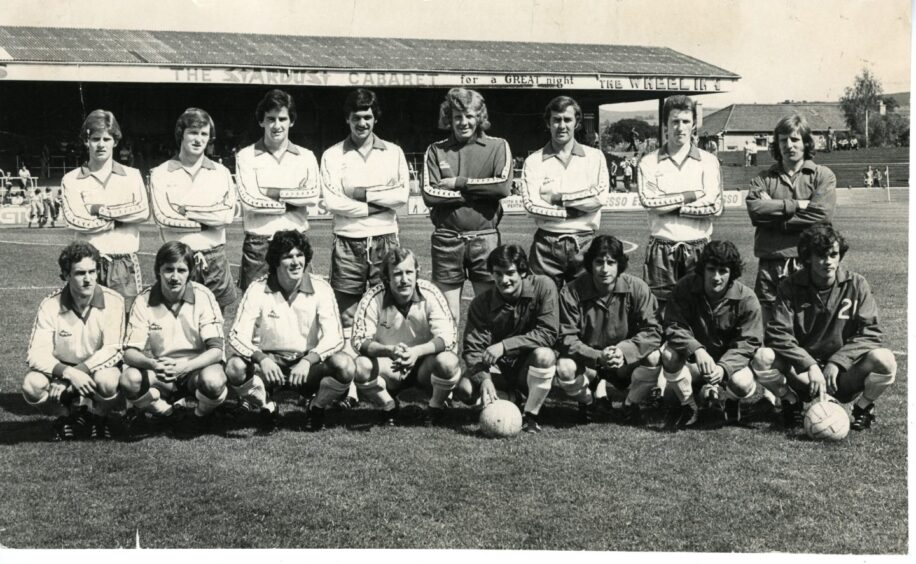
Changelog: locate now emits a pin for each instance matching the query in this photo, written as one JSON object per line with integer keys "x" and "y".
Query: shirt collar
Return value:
{"x": 528, "y": 292}
{"x": 66, "y": 300}
{"x": 273, "y": 284}
{"x": 156, "y": 298}
{"x": 116, "y": 168}
{"x": 389, "y": 301}
{"x": 376, "y": 144}
{"x": 175, "y": 164}
{"x": 692, "y": 153}
{"x": 548, "y": 150}
{"x": 260, "y": 148}
{"x": 479, "y": 138}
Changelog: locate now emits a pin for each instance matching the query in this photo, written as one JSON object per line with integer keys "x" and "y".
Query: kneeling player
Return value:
{"x": 513, "y": 327}
{"x": 608, "y": 329}
{"x": 713, "y": 325}
{"x": 76, "y": 345}
{"x": 287, "y": 333}
{"x": 824, "y": 336}
{"x": 174, "y": 342}
{"x": 405, "y": 335}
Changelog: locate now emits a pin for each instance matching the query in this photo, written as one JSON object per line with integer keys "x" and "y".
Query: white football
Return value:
{"x": 500, "y": 419}
{"x": 826, "y": 420}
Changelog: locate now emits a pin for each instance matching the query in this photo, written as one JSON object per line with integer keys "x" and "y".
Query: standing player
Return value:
{"x": 712, "y": 329}
{"x": 105, "y": 203}
{"x": 287, "y": 334}
{"x": 564, "y": 186}
{"x": 174, "y": 342}
{"x": 193, "y": 200}
{"x": 75, "y": 346}
{"x": 277, "y": 179}
{"x": 608, "y": 330}
{"x": 783, "y": 201}
{"x": 363, "y": 181}
{"x": 512, "y": 327}
{"x": 824, "y": 336}
{"x": 405, "y": 335}
{"x": 465, "y": 177}
{"x": 681, "y": 188}
{"x": 36, "y": 207}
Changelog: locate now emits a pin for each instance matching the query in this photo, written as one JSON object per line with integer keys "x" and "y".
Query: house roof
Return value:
{"x": 70, "y": 46}
{"x": 759, "y": 118}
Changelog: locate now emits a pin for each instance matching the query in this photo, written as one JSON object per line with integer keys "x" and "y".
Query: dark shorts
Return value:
{"x": 317, "y": 371}
{"x": 559, "y": 255}
{"x": 357, "y": 262}
{"x": 254, "y": 265}
{"x": 462, "y": 255}
{"x": 669, "y": 261}
{"x": 121, "y": 273}
{"x": 770, "y": 273}
{"x": 211, "y": 269}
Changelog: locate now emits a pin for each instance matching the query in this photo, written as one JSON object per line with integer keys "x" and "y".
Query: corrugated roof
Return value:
{"x": 180, "y": 48}
{"x": 763, "y": 117}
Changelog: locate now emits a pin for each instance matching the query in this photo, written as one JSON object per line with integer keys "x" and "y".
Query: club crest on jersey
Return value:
{"x": 155, "y": 326}
{"x": 273, "y": 315}
{"x": 64, "y": 333}
{"x": 444, "y": 165}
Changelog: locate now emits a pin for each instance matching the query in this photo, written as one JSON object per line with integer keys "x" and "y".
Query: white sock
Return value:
{"x": 643, "y": 379}
{"x": 875, "y": 384}
{"x": 577, "y": 389}
{"x": 442, "y": 387}
{"x": 152, "y": 402}
{"x": 252, "y": 391}
{"x": 539, "y": 381}
{"x": 329, "y": 389}
{"x": 683, "y": 389}
{"x": 206, "y": 405}
{"x": 102, "y": 405}
{"x": 376, "y": 391}
{"x": 774, "y": 381}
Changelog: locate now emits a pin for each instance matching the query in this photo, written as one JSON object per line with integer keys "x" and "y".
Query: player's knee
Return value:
{"x": 566, "y": 369}
{"x": 654, "y": 358}
{"x": 543, "y": 357}
{"x": 341, "y": 367}
{"x": 34, "y": 386}
{"x": 741, "y": 383}
{"x": 763, "y": 359}
{"x": 363, "y": 372}
{"x": 212, "y": 381}
{"x": 447, "y": 365}
{"x": 883, "y": 361}
{"x": 131, "y": 381}
{"x": 671, "y": 360}
{"x": 106, "y": 381}
{"x": 235, "y": 370}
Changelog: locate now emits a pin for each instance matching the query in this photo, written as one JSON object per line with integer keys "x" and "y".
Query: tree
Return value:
{"x": 613, "y": 134}
{"x": 866, "y": 94}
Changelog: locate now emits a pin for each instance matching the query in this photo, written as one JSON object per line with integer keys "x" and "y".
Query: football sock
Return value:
{"x": 577, "y": 389}
{"x": 683, "y": 389}
{"x": 102, "y": 405}
{"x": 875, "y": 384}
{"x": 601, "y": 390}
{"x": 329, "y": 389}
{"x": 774, "y": 381}
{"x": 539, "y": 380}
{"x": 152, "y": 402}
{"x": 442, "y": 387}
{"x": 252, "y": 391}
{"x": 351, "y": 392}
{"x": 643, "y": 379}
{"x": 206, "y": 405}
{"x": 729, "y": 394}
{"x": 376, "y": 391}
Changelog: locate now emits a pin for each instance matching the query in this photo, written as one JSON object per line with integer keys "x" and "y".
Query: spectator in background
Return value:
{"x": 853, "y": 142}
{"x": 24, "y": 176}
{"x": 712, "y": 147}
{"x": 879, "y": 178}
{"x": 612, "y": 172}
{"x": 627, "y": 174}
{"x": 752, "y": 150}
{"x": 869, "y": 176}
{"x": 747, "y": 154}
{"x": 830, "y": 139}
{"x": 635, "y": 138}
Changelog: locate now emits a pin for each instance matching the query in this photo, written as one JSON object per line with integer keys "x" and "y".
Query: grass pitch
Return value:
{"x": 595, "y": 487}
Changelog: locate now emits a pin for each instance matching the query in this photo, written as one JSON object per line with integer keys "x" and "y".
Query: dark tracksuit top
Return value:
{"x": 529, "y": 323}
{"x": 591, "y": 321}
{"x": 731, "y": 331}
{"x": 807, "y": 330}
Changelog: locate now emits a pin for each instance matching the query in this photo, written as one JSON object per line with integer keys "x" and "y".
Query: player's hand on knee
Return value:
{"x": 407, "y": 357}
{"x": 81, "y": 381}
{"x": 180, "y": 368}
{"x": 817, "y": 382}
{"x": 271, "y": 371}
{"x": 488, "y": 392}
{"x": 493, "y": 353}
{"x": 705, "y": 362}
{"x": 55, "y": 391}
{"x": 831, "y": 372}
{"x": 714, "y": 377}
{"x": 299, "y": 373}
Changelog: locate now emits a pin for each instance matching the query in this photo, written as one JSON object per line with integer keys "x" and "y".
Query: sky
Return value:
{"x": 783, "y": 49}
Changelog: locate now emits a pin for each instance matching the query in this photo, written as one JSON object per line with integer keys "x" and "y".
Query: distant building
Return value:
{"x": 733, "y": 125}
